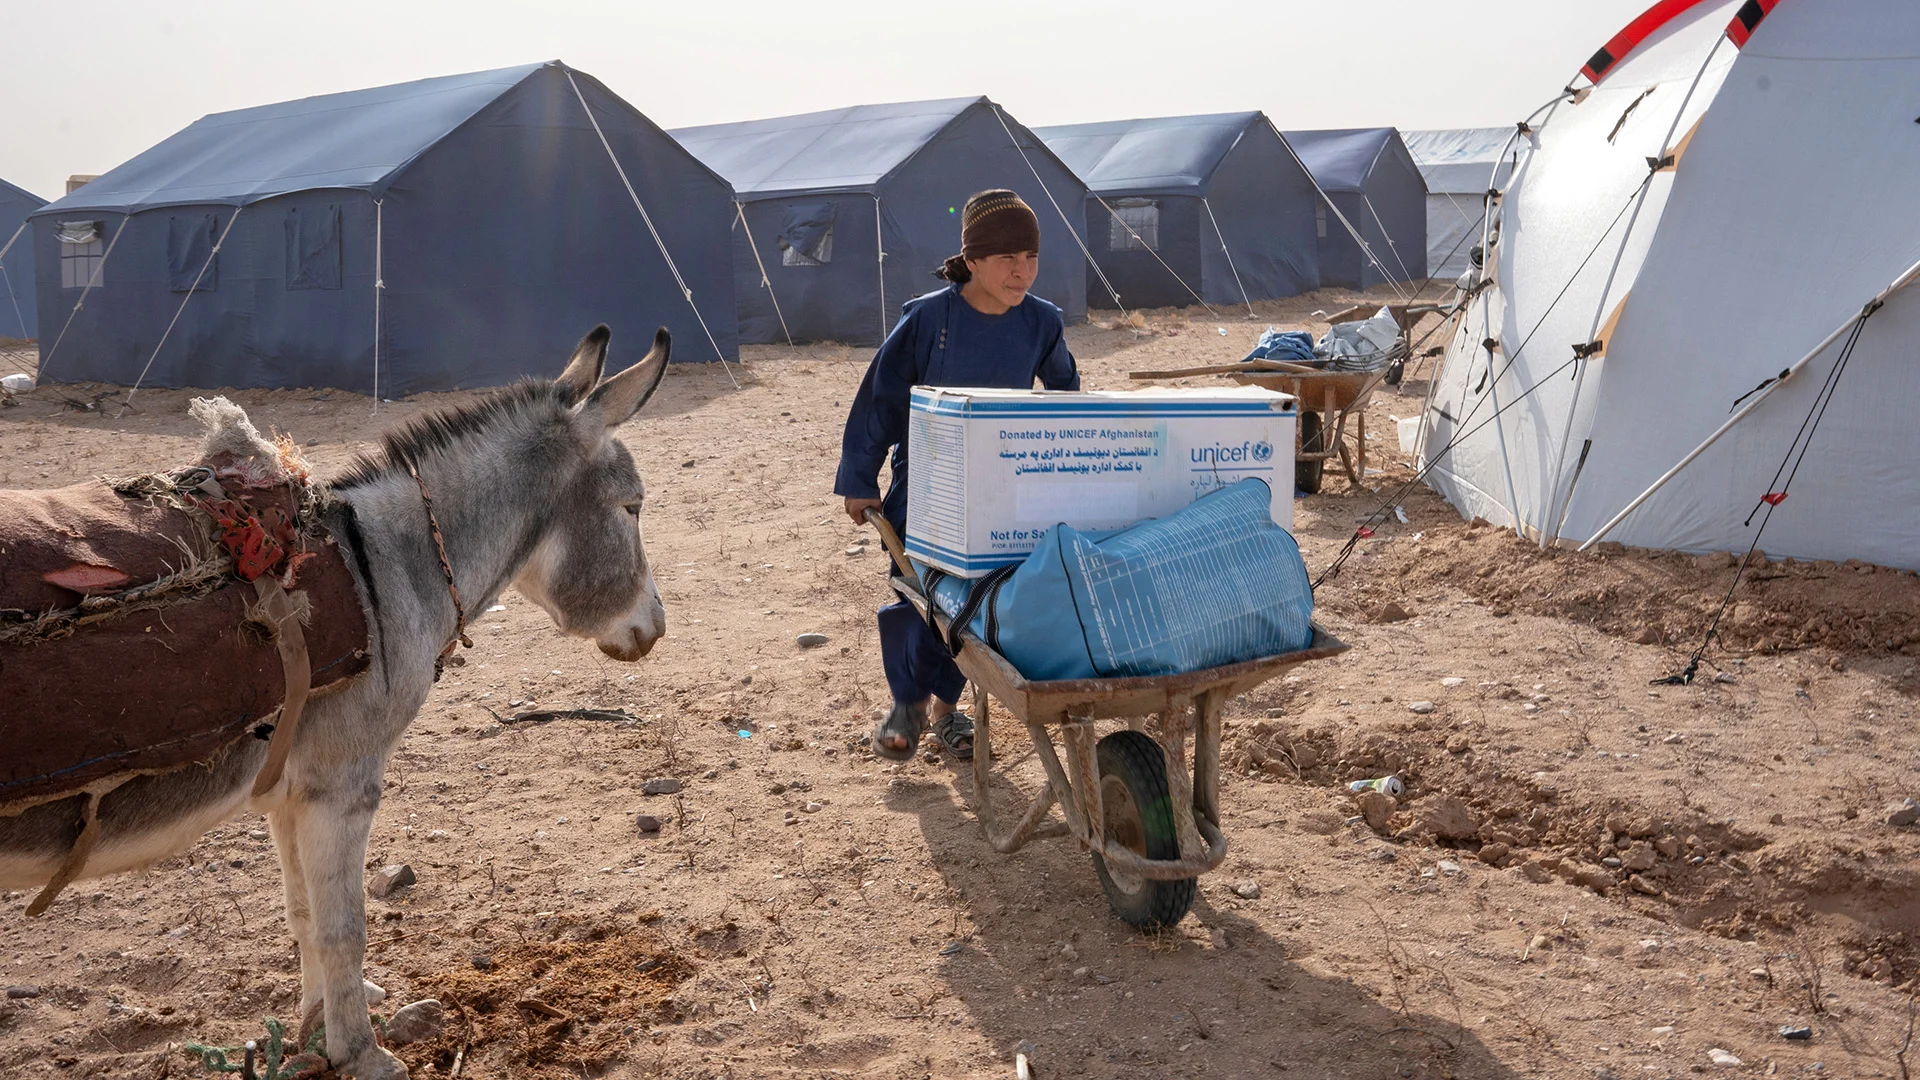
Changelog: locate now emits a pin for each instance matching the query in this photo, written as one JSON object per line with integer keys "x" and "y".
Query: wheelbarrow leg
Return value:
{"x": 1206, "y": 757}
{"x": 1032, "y": 823}
{"x": 1360, "y": 439}
{"x": 1174, "y": 726}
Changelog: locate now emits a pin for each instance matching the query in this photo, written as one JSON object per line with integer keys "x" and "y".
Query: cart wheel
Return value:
{"x": 1139, "y": 816}
{"x": 1306, "y": 474}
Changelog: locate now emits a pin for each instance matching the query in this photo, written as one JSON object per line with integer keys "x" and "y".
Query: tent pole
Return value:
{"x": 1599, "y": 313}
{"x": 182, "y": 309}
{"x": 1229, "y": 255}
{"x": 764, "y": 282}
{"x": 379, "y": 288}
{"x": 46, "y": 358}
{"x": 880, "y": 265}
{"x": 1489, "y": 264}
{"x": 1487, "y": 267}
{"x": 1753, "y": 402}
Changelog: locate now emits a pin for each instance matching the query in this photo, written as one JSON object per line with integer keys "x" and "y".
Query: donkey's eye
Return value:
{"x": 633, "y": 508}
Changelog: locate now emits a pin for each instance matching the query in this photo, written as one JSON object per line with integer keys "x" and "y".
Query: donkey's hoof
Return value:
{"x": 374, "y": 1064}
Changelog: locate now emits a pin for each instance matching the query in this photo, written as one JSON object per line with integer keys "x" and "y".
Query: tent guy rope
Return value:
{"x": 19, "y": 319}
{"x": 1365, "y": 248}
{"x": 1753, "y": 402}
{"x": 1064, "y": 220}
{"x": 46, "y": 358}
{"x": 1365, "y": 528}
{"x": 1771, "y": 499}
{"x": 648, "y": 218}
{"x": 766, "y": 284}
{"x": 1224, "y": 251}
{"x": 181, "y": 310}
{"x": 1153, "y": 250}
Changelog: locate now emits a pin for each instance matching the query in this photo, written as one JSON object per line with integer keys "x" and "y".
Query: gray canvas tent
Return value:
{"x": 17, "y": 316}
{"x": 816, "y": 189}
{"x": 453, "y": 232}
{"x": 1183, "y": 205}
{"x": 1459, "y": 165}
{"x": 1371, "y": 179}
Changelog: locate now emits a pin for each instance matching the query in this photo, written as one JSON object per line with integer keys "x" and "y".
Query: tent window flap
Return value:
{"x": 313, "y": 247}
{"x": 1135, "y": 226}
{"x": 190, "y": 239}
{"x": 81, "y": 251}
{"x": 807, "y": 239}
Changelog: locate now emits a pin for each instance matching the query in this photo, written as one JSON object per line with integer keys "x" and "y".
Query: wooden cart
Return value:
{"x": 1327, "y": 398}
{"x": 1127, "y": 796}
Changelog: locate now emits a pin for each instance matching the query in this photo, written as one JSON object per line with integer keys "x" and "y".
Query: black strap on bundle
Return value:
{"x": 983, "y": 590}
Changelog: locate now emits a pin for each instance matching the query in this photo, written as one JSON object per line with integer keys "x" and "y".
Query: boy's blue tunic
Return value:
{"x": 940, "y": 341}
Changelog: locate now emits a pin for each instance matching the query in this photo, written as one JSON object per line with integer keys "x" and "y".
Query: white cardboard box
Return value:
{"x": 990, "y": 471}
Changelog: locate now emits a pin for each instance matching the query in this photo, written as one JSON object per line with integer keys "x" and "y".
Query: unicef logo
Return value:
{"x": 1262, "y": 451}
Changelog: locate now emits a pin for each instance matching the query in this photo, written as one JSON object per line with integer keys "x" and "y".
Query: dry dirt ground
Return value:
{"x": 808, "y": 911}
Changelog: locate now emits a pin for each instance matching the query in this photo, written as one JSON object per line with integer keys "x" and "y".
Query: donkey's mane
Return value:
{"x": 424, "y": 435}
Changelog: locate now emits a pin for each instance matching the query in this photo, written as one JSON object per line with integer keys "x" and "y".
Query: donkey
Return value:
{"x": 529, "y": 488}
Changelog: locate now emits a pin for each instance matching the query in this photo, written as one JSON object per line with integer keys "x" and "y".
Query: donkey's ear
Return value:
{"x": 621, "y": 396}
{"x": 589, "y": 357}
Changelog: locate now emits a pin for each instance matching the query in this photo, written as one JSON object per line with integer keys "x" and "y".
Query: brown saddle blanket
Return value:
{"x": 154, "y": 684}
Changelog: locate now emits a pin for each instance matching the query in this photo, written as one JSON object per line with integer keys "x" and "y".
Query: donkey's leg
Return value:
{"x": 284, "y": 824}
{"x": 331, "y": 841}
{"x": 300, "y": 919}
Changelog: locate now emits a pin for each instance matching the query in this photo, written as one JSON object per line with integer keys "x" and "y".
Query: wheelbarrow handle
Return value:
{"x": 892, "y": 540}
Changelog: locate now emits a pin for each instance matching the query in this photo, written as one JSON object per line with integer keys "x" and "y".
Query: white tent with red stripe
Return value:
{"x": 1721, "y": 196}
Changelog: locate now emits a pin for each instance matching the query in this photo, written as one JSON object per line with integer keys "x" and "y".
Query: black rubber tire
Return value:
{"x": 1131, "y": 760}
{"x": 1306, "y": 474}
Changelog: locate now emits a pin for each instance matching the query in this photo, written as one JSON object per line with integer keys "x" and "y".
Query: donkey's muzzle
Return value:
{"x": 632, "y": 647}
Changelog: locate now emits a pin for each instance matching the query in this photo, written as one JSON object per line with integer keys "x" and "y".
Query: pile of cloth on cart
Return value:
{"x": 1363, "y": 345}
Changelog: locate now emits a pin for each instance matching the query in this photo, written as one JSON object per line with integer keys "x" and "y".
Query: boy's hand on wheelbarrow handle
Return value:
{"x": 857, "y": 509}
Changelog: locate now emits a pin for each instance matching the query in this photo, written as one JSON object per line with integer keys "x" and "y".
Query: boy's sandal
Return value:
{"x": 955, "y": 732}
{"x": 904, "y": 722}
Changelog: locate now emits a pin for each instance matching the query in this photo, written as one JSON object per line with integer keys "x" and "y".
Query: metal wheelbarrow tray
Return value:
{"x": 1128, "y": 797}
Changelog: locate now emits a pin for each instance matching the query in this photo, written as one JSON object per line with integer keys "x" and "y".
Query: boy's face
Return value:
{"x": 1006, "y": 278}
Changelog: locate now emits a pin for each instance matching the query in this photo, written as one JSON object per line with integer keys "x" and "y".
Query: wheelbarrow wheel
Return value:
{"x": 1306, "y": 474}
{"x": 1139, "y": 816}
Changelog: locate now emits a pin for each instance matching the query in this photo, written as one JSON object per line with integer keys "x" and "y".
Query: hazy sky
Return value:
{"x": 89, "y": 84}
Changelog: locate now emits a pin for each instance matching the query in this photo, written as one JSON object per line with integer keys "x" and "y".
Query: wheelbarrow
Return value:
{"x": 1151, "y": 826}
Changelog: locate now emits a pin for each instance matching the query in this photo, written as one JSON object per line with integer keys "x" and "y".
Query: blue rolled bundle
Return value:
{"x": 1216, "y": 583}
{"x": 1295, "y": 346}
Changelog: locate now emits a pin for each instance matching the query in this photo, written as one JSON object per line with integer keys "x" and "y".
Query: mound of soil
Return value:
{"x": 552, "y": 1008}
{"x": 1662, "y": 597}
